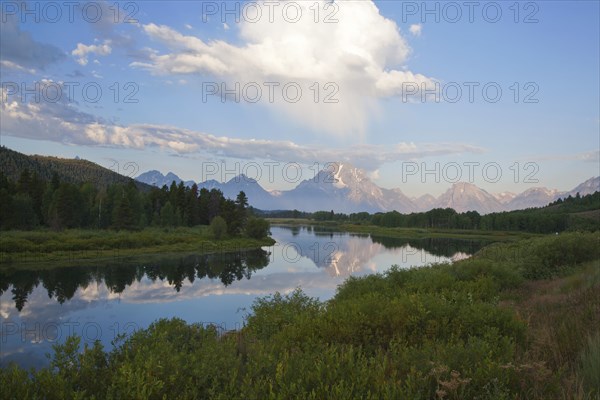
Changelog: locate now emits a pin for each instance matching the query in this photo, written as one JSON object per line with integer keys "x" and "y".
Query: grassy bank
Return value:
{"x": 436, "y": 233}
{"x": 406, "y": 233}
{"x": 40, "y": 247}
{"x": 518, "y": 320}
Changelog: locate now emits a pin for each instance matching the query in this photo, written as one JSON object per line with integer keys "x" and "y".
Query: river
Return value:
{"x": 42, "y": 307}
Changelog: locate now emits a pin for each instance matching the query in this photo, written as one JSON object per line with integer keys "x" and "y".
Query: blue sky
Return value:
{"x": 383, "y": 62}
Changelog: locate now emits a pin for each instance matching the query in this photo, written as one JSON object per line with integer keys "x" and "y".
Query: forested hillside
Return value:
{"x": 13, "y": 163}
{"x": 32, "y": 202}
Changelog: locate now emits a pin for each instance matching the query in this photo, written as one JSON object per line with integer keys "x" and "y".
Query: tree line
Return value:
{"x": 32, "y": 202}
{"x": 572, "y": 213}
{"x": 556, "y": 217}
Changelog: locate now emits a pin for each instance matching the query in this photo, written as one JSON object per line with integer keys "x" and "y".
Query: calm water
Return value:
{"x": 40, "y": 308}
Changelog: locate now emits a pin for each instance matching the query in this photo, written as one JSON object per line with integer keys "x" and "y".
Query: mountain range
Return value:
{"x": 348, "y": 189}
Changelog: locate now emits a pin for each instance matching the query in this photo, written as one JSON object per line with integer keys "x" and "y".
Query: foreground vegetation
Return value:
{"x": 518, "y": 320}
{"x": 42, "y": 247}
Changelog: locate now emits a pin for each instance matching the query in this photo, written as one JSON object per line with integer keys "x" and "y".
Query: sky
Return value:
{"x": 421, "y": 95}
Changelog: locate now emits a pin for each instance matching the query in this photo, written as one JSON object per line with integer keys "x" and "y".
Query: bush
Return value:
{"x": 257, "y": 228}
{"x": 542, "y": 258}
{"x": 555, "y": 255}
{"x": 218, "y": 227}
{"x": 271, "y": 314}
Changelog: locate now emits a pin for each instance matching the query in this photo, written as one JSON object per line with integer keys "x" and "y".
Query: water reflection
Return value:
{"x": 344, "y": 254}
{"x": 340, "y": 254}
{"x": 62, "y": 283}
{"x": 41, "y": 307}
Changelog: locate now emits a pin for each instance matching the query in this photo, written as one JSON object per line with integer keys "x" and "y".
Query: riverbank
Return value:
{"x": 518, "y": 320}
{"x": 43, "y": 247}
{"x": 406, "y": 233}
{"x": 419, "y": 233}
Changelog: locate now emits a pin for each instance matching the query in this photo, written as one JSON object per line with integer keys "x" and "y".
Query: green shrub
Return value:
{"x": 545, "y": 257}
{"x": 272, "y": 313}
{"x": 218, "y": 227}
{"x": 257, "y": 228}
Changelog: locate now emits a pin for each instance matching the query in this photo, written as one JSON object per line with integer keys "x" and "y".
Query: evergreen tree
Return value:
{"x": 66, "y": 207}
{"x": 214, "y": 203}
{"x": 24, "y": 182}
{"x": 192, "y": 210}
{"x": 167, "y": 215}
{"x": 241, "y": 203}
{"x": 203, "y": 202}
{"x": 22, "y": 215}
{"x": 123, "y": 216}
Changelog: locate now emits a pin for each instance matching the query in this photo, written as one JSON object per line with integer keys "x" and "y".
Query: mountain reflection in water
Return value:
{"x": 41, "y": 307}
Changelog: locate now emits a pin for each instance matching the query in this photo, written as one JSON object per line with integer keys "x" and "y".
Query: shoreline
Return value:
{"x": 41, "y": 248}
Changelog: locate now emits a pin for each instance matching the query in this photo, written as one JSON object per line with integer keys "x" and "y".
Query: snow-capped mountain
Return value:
{"x": 541, "y": 196}
{"x": 464, "y": 197}
{"x": 590, "y": 186}
{"x": 340, "y": 187}
{"x": 534, "y": 197}
{"x": 345, "y": 188}
{"x": 504, "y": 197}
{"x": 425, "y": 202}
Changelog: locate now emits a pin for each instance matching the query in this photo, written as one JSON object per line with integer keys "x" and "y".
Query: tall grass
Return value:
{"x": 590, "y": 365}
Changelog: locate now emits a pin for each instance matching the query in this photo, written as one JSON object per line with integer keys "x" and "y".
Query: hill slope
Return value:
{"x": 12, "y": 163}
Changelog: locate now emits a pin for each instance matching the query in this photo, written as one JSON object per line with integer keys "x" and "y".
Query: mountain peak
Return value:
{"x": 242, "y": 179}
{"x": 464, "y": 196}
{"x": 345, "y": 188}
{"x": 156, "y": 178}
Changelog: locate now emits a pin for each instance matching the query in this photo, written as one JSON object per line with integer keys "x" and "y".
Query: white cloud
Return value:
{"x": 11, "y": 65}
{"x": 416, "y": 29}
{"x": 359, "y": 54}
{"x": 188, "y": 26}
{"x": 62, "y": 122}
{"x": 82, "y": 51}
{"x": 225, "y": 26}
